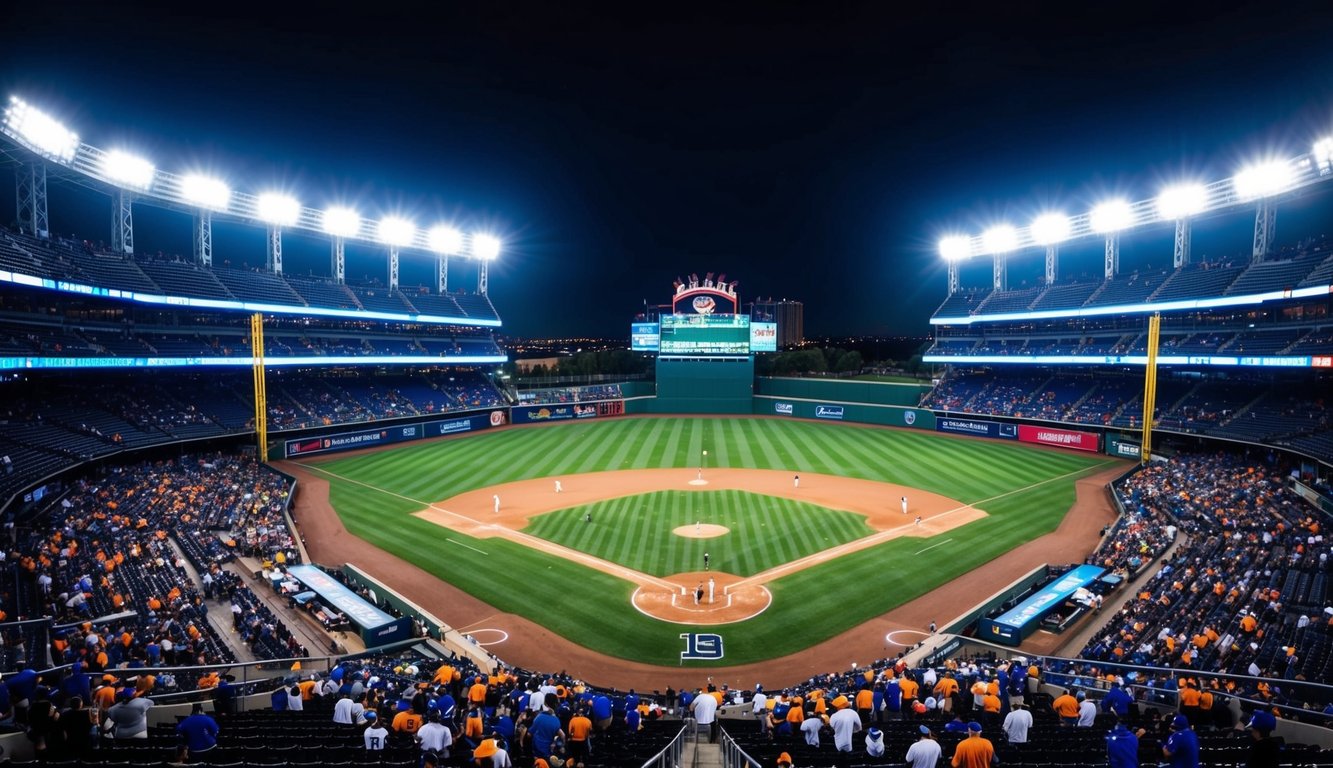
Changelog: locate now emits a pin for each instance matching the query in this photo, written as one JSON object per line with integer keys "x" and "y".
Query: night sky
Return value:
{"x": 815, "y": 151}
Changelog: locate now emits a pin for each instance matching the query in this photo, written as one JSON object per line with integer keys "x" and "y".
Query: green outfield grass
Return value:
{"x": 1025, "y": 490}
{"x": 636, "y": 531}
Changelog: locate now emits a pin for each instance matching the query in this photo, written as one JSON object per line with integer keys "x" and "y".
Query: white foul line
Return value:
{"x": 550, "y": 547}
{"x": 932, "y": 546}
{"x": 464, "y": 546}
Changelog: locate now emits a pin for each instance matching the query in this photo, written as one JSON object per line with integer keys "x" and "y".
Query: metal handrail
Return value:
{"x": 669, "y": 757}
{"x": 735, "y": 757}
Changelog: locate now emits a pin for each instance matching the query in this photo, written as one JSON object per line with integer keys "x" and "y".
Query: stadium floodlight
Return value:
{"x": 1323, "y": 154}
{"x": 955, "y": 247}
{"x": 128, "y": 170}
{"x": 1182, "y": 201}
{"x": 1050, "y": 228}
{"x": 206, "y": 192}
{"x": 485, "y": 246}
{"x": 278, "y": 209}
{"x": 41, "y": 131}
{"x": 1111, "y": 216}
{"x": 1263, "y": 179}
{"x": 342, "y": 222}
{"x": 395, "y": 231}
{"x": 1001, "y": 238}
{"x": 445, "y": 239}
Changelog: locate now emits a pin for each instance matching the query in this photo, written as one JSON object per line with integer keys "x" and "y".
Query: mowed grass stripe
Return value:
{"x": 540, "y": 587}
{"x": 637, "y": 531}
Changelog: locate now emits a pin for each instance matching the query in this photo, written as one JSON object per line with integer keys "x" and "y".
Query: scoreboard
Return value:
{"x": 705, "y": 335}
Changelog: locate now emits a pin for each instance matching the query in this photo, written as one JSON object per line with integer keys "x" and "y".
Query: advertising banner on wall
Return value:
{"x": 370, "y": 438}
{"x": 976, "y": 427}
{"x": 1062, "y": 438}
{"x": 537, "y": 414}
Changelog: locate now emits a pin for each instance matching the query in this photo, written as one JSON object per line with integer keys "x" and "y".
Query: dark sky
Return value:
{"x": 814, "y": 151}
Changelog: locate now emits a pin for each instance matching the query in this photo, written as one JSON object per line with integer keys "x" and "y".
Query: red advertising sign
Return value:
{"x": 1063, "y": 438}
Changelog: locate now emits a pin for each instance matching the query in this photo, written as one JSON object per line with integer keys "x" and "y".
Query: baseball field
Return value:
{"x": 612, "y": 562}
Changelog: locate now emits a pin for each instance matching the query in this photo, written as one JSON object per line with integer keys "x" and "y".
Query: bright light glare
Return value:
{"x": 485, "y": 246}
{"x": 1263, "y": 179}
{"x": 445, "y": 239}
{"x": 1111, "y": 216}
{"x": 1050, "y": 228}
{"x": 955, "y": 247}
{"x": 1182, "y": 201}
{"x": 41, "y": 131}
{"x": 129, "y": 170}
{"x": 342, "y": 222}
{"x": 1000, "y": 239}
{"x": 396, "y": 231}
{"x": 278, "y": 209}
{"x": 206, "y": 191}
{"x": 1323, "y": 154}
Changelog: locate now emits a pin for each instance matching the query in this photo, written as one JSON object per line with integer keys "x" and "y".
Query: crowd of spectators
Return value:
{"x": 583, "y": 394}
{"x": 1246, "y": 590}
{"x": 1254, "y": 409}
{"x": 117, "y": 546}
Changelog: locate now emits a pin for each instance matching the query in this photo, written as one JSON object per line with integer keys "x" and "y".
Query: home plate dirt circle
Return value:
{"x": 702, "y": 531}
{"x": 677, "y": 605}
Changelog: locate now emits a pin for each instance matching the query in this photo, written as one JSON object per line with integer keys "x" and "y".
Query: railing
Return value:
{"x": 735, "y": 757}
{"x": 669, "y": 757}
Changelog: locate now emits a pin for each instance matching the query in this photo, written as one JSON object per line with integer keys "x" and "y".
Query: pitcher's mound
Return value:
{"x": 702, "y": 531}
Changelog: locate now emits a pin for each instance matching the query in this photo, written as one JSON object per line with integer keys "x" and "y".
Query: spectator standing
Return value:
{"x": 975, "y": 751}
{"x": 925, "y": 752}
{"x": 199, "y": 731}
{"x": 1182, "y": 746}
{"x": 375, "y": 736}
{"x": 704, "y": 708}
{"x": 129, "y": 717}
{"x": 1122, "y": 747}
{"x": 1017, "y": 723}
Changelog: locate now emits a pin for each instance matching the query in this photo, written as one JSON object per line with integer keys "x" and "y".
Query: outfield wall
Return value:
{"x": 843, "y": 390}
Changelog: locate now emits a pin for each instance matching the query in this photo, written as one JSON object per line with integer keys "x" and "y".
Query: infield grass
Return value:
{"x": 1025, "y": 491}
{"x": 636, "y": 531}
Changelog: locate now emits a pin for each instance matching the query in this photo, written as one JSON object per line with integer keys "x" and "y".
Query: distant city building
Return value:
{"x": 789, "y": 315}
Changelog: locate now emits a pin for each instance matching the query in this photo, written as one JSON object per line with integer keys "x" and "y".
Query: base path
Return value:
{"x": 532, "y": 646}
{"x": 672, "y": 598}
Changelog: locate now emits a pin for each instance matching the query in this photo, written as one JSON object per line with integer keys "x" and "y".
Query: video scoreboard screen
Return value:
{"x": 763, "y": 337}
{"x": 643, "y": 337}
{"x": 705, "y": 335}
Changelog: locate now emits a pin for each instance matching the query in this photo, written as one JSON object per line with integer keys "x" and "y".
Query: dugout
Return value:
{"x": 375, "y": 627}
{"x": 1012, "y": 627}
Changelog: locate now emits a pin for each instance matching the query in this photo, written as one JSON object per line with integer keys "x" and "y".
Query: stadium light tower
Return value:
{"x": 49, "y": 140}
{"x": 395, "y": 233}
{"x": 1323, "y": 155}
{"x": 444, "y": 240}
{"x": 999, "y": 241}
{"x": 342, "y": 223}
{"x": 1109, "y": 218}
{"x": 128, "y": 173}
{"x": 1178, "y": 204}
{"x": 278, "y": 211}
{"x": 485, "y": 248}
{"x": 953, "y": 249}
{"x": 1263, "y": 182}
{"x": 1051, "y": 229}
{"x": 208, "y": 195}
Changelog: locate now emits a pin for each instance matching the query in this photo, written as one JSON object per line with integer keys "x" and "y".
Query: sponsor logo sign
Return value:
{"x": 783, "y": 408}
{"x": 828, "y": 411}
{"x": 1063, "y": 438}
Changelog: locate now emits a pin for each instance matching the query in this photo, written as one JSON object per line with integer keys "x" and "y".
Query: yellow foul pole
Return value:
{"x": 261, "y": 396}
{"x": 1150, "y": 387}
